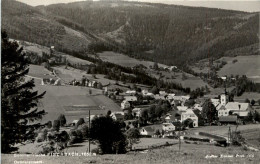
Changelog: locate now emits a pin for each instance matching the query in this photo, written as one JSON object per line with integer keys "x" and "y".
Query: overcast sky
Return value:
{"x": 246, "y": 5}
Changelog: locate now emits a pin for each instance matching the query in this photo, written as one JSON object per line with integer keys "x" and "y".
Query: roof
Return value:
{"x": 183, "y": 108}
{"x": 237, "y": 106}
{"x": 220, "y": 107}
{"x": 148, "y": 129}
{"x": 119, "y": 115}
{"x": 227, "y": 118}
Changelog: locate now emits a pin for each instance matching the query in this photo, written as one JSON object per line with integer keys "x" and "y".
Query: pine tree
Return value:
{"x": 19, "y": 101}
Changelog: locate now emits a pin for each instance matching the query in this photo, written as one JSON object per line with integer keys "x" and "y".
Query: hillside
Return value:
{"x": 141, "y": 30}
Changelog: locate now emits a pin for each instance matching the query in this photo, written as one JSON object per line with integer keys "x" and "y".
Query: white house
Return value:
{"x": 215, "y": 102}
{"x": 125, "y": 104}
{"x": 182, "y": 108}
{"x": 189, "y": 114}
{"x": 130, "y": 92}
{"x": 146, "y": 131}
{"x": 163, "y": 93}
{"x": 159, "y": 97}
{"x": 170, "y": 96}
{"x": 241, "y": 109}
{"x": 130, "y": 98}
{"x": 168, "y": 127}
{"x": 118, "y": 116}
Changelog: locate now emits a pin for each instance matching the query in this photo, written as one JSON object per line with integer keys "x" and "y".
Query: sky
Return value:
{"x": 246, "y": 5}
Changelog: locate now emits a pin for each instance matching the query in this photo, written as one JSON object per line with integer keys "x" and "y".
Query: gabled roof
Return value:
{"x": 237, "y": 106}
{"x": 148, "y": 129}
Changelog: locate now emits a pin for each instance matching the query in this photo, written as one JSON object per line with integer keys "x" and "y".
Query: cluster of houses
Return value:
{"x": 227, "y": 112}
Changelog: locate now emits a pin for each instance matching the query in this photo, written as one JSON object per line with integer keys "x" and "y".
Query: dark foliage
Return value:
{"x": 18, "y": 100}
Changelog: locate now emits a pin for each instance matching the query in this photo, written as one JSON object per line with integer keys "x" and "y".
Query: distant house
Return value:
{"x": 189, "y": 114}
{"x": 215, "y": 102}
{"x": 197, "y": 106}
{"x": 118, "y": 116}
{"x": 182, "y": 108}
{"x": 170, "y": 96}
{"x": 172, "y": 116}
{"x": 162, "y": 93}
{"x": 125, "y": 104}
{"x": 131, "y": 92}
{"x": 147, "y": 93}
{"x": 168, "y": 127}
{"x": 74, "y": 122}
{"x": 159, "y": 97}
{"x": 231, "y": 108}
{"x": 146, "y": 131}
{"x": 130, "y": 98}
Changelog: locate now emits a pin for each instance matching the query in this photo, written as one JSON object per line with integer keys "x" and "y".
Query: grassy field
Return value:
{"x": 124, "y": 60}
{"x": 245, "y": 65}
{"x": 190, "y": 153}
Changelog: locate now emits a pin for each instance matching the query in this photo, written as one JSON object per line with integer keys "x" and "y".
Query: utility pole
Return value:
{"x": 89, "y": 131}
{"x": 180, "y": 139}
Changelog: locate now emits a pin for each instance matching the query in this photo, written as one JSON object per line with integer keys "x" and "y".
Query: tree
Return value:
{"x": 209, "y": 112}
{"x": 49, "y": 124}
{"x": 155, "y": 66}
{"x": 109, "y": 113}
{"x": 80, "y": 122}
{"x": 109, "y": 135}
{"x": 62, "y": 120}
{"x": 132, "y": 136}
{"x": 247, "y": 100}
{"x": 19, "y": 101}
{"x": 56, "y": 125}
{"x": 155, "y": 90}
{"x": 252, "y": 102}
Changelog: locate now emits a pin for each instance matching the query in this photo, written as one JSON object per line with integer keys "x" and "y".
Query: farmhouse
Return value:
{"x": 168, "y": 127}
{"x": 118, "y": 116}
{"x": 146, "y": 131}
{"x": 125, "y": 104}
{"x": 130, "y": 98}
{"x": 159, "y": 97}
{"x": 182, "y": 108}
{"x": 131, "y": 92}
{"x": 189, "y": 114}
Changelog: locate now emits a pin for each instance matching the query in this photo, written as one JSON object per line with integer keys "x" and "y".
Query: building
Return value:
{"x": 125, "y": 104}
{"x": 146, "y": 131}
{"x": 131, "y": 92}
{"x": 223, "y": 99}
{"x": 130, "y": 98}
{"x": 168, "y": 127}
{"x": 159, "y": 97}
{"x": 118, "y": 116}
{"x": 182, "y": 108}
{"x": 215, "y": 102}
{"x": 189, "y": 114}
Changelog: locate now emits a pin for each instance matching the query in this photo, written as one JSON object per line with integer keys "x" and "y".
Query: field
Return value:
{"x": 239, "y": 65}
{"x": 57, "y": 98}
{"x": 245, "y": 65}
{"x": 248, "y": 95}
{"x": 190, "y": 153}
{"x": 124, "y": 60}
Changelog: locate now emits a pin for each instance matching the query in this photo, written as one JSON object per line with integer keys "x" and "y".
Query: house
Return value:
{"x": 228, "y": 119}
{"x": 172, "y": 116}
{"x": 125, "y": 104}
{"x": 159, "y": 97}
{"x": 130, "y": 92}
{"x": 241, "y": 109}
{"x": 74, "y": 122}
{"x": 147, "y": 93}
{"x": 146, "y": 131}
{"x": 162, "y": 93}
{"x": 197, "y": 106}
{"x": 189, "y": 114}
{"x": 223, "y": 112}
{"x": 215, "y": 102}
{"x": 130, "y": 98}
{"x": 118, "y": 116}
{"x": 182, "y": 108}
{"x": 170, "y": 96}
{"x": 168, "y": 127}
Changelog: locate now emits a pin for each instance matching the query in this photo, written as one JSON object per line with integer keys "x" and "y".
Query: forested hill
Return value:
{"x": 168, "y": 34}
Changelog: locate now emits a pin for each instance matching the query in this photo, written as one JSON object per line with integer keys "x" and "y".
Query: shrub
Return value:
{"x": 49, "y": 124}
{"x": 80, "y": 122}
{"x": 84, "y": 130}
{"x": 56, "y": 125}
{"x": 62, "y": 120}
